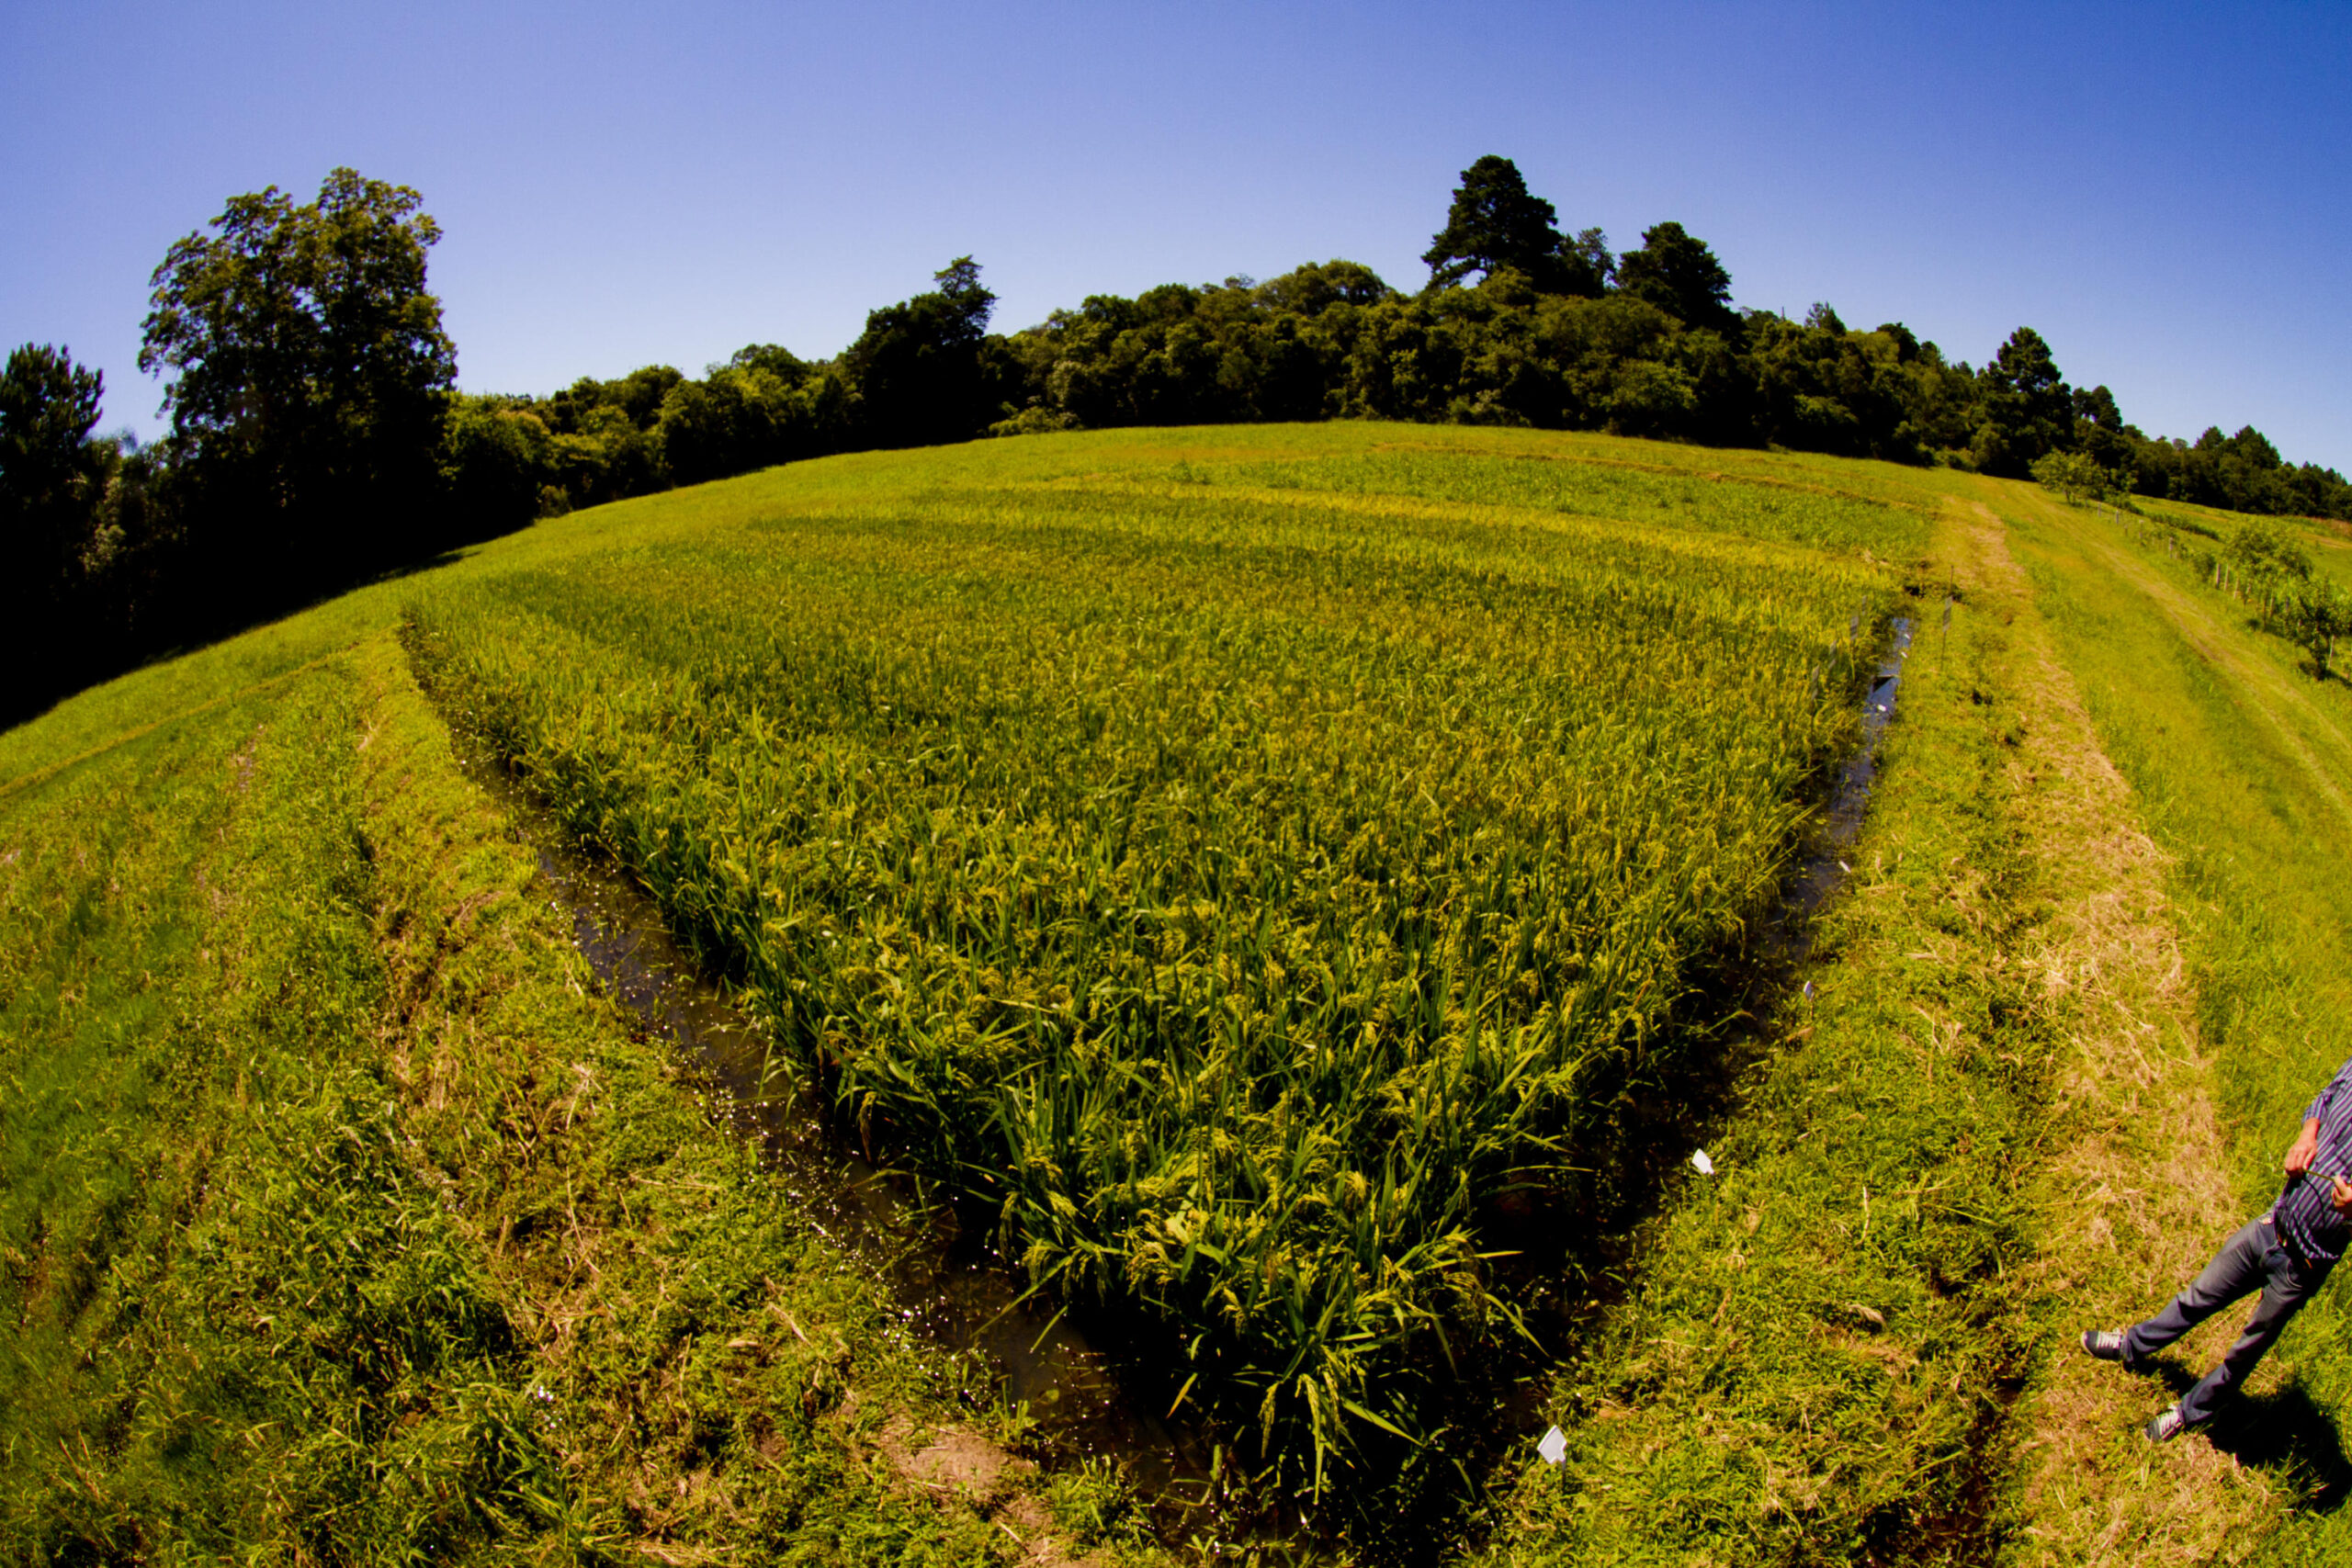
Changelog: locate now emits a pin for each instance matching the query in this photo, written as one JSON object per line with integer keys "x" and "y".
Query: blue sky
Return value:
{"x": 2163, "y": 191}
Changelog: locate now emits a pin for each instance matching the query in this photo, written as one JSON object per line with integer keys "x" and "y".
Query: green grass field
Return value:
{"x": 1238, "y": 869}
{"x": 339, "y": 1222}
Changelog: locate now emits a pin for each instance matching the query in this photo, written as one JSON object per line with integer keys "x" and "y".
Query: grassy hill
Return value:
{"x": 1302, "y": 894}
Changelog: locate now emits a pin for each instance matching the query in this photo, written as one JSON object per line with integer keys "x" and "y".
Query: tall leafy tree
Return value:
{"x": 2098, "y": 407}
{"x": 2101, "y": 434}
{"x": 51, "y": 477}
{"x": 310, "y": 378}
{"x": 1677, "y": 272}
{"x": 2029, "y": 408}
{"x": 1496, "y": 223}
{"x": 772, "y": 358}
{"x": 1311, "y": 290}
{"x": 48, "y": 407}
{"x": 1589, "y": 262}
{"x": 918, "y": 367}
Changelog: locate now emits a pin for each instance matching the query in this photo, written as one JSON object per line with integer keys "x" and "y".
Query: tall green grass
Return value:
{"x": 1228, "y": 895}
{"x": 204, "y": 1283}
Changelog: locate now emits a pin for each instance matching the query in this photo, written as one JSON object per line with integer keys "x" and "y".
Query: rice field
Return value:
{"x": 1226, "y": 871}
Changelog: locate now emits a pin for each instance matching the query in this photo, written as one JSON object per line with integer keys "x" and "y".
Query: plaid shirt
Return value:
{"x": 2306, "y": 1215}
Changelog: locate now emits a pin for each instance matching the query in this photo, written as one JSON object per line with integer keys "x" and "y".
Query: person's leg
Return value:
{"x": 2237, "y": 1271}
{"x": 2284, "y": 1292}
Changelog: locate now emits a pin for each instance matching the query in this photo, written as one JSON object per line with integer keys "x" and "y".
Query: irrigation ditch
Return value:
{"x": 1088, "y": 1379}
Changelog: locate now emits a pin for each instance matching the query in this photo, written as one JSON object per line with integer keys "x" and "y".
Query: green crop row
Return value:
{"x": 1228, "y": 895}
{"x": 1766, "y": 508}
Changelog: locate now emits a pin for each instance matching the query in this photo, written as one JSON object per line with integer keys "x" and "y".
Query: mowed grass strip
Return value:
{"x": 1991, "y": 1128}
{"x": 1227, "y": 897}
{"x": 2239, "y": 761}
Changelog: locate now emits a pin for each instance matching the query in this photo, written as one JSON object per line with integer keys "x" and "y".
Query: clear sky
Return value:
{"x": 2165, "y": 191}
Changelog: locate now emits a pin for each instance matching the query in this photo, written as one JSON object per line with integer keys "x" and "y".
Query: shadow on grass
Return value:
{"x": 213, "y": 613}
{"x": 2282, "y": 1433}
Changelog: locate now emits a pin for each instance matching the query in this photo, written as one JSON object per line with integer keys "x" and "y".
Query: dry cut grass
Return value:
{"x": 2136, "y": 1191}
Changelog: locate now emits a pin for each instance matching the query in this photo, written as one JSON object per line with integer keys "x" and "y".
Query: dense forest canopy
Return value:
{"x": 317, "y": 437}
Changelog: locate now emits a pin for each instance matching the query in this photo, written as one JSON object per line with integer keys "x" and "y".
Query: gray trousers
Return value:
{"x": 2249, "y": 1261}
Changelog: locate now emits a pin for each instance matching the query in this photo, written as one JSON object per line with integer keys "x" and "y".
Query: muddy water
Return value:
{"x": 1824, "y": 866}
{"x": 949, "y": 1290}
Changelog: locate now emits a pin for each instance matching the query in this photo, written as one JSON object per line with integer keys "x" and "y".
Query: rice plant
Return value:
{"x": 1227, "y": 888}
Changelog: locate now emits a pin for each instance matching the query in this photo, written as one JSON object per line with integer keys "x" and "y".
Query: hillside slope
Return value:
{"x": 342, "y": 1221}
{"x": 1267, "y": 874}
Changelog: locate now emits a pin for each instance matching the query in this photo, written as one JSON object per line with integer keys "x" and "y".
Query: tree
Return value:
{"x": 1589, "y": 250}
{"x": 2029, "y": 410}
{"x": 2317, "y": 616}
{"x": 1820, "y": 387}
{"x": 310, "y": 379}
{"x": 1674, "y": 271}
{"x": 48, "y": 470}
{"x": 2249, "y": 447}
{"x": 1495, "y": 224}
{"x": 774, "y": 358}
{"x": 918, "y": 366}
{"x": 491, "y": 462}
{"x": 2096, "y": 407}
{"x": 51, "y": 479}
{"x": 2072, "y": 476}
{"x": 2260, "y": 549}
{"x": 1311, "y": 290}
{"x": 737, "y": 420}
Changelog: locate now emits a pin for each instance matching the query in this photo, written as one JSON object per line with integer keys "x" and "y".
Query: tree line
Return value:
{"x": 317, "y": 437}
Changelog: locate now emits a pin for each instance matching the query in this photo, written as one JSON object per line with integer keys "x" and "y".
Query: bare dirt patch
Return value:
{"x": 960, "y": 1467}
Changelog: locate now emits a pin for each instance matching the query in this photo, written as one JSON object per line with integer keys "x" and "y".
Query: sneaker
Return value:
{"x": 2165, "y": 1426}
{"x": 2107, "y": 1344}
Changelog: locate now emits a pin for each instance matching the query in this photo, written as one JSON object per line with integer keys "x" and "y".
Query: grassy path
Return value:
{"x": 2135, "y": 1191}
{"x": 2191, "y": 1053}
{"x": 2302, "y": 728}
{"x": 48, "y": 771}
{"x": 2011, "y": 955}
{"x": 1814, "y": 1362}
